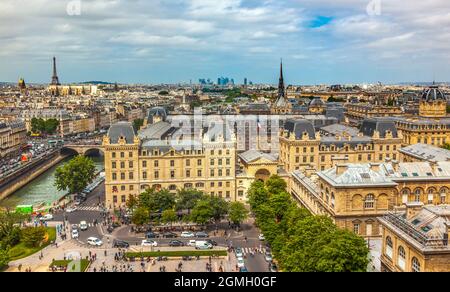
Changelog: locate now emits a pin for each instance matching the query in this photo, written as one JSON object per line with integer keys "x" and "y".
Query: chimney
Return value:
{"x": 412, "y": 209}
{"x": 395, "y": 165}
{"x": 341, "y": 168}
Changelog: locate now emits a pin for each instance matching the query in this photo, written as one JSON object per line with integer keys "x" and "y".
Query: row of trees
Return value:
{"x": 188, "y": 205}
{"x": 300, "y": 241}
{"x": 42, "y": 126}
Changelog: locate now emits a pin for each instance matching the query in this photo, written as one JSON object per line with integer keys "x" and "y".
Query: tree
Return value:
{"x": 346, "y": 252}
{"x": 33, "y": 236}
{"x": 219, "y": 207}
{"x": 163, "y": 92}
{"x": 9, "y": 228}
{"x": 187, "y": 198}
{"x": 276, "y": 184}
{"x": 75, "y": 175}
{"x": 4, "y": 258}
{"x": 169, "y": 216}
{"x": 280, "y": 204}
{"x": 44, "y": 126}
{"x": 257, "y": 195}
{"x": 140, "y": 216}
{"x": 237, "y": 213}
{"x": 164, "y": 200}
{"x": 132, "y": 202}
{"x": 137, "y": 124}
{"x": 202, "y": 212}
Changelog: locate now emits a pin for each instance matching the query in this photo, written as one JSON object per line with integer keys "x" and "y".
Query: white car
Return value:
{"x": 71, "y": 210}
{"x": 192, "y": 242}
{"x": 83, "y": 226}
{"x": 94, "y": 241}
{"x": 240, "y": 262}
{"x": 187, "y": 234}
{"x": 261, "y": 237}
{"x": 147, "y": 242}
{"x": 75, "y": 234}
{"x": 47, "y": 217}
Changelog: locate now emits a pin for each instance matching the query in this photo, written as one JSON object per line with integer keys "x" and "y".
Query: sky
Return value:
{"x": 156, "y": 41}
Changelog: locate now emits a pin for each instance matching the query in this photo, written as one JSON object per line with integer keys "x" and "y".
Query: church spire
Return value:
{"x": 55, "y": 79}
{"x": 281, "y": 88}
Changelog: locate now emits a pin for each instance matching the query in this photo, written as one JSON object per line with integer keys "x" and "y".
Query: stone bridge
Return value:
{"x": 82, "y": 149}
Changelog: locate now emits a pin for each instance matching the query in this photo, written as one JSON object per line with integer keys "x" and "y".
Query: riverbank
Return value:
{"x": 41, "y": 191}
{"x": 28, "y": 176}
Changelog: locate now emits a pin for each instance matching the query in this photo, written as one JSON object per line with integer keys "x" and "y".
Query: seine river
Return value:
{"x": 42, "y": 189}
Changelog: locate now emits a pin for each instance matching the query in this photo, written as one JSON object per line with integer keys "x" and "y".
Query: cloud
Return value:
{"x": 210, "y": 37}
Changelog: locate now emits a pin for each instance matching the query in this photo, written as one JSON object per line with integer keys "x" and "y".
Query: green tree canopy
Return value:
{"x": 49, "y": 126}
{"x": 4, "y": 258}
{"x": 276, "y": 184}
{"x": 140, "y": 216}
{"x": 33, "y": 236}
{"x": 202, "y": 212}
{"x": 237, "y": 213}
{"x": 187, "y": 198}
{"x": 169, "y": 216}
{"x": 75, "y": 175}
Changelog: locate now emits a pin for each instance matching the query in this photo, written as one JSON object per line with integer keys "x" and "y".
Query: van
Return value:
{"x": 202, "y": 245}
{"x": 83, "y": 226}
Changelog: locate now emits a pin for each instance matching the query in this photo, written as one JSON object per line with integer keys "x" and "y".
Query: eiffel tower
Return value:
{"x": 55, "y": 79}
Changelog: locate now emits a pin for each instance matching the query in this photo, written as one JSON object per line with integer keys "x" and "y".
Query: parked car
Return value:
{"x": 94, "y": 241}
{"x": 148, "y": 242}
{"x": 151, "y": 235}
{"x": 120, "y": 243}
{"x": 83, "y": 226}
{"x": 212, "y": 242}
{"x": 176, "y": 243}
{"x": 75, "y": 234}
{"x": 187, "y": 234}
{"x": 192, "y": 242}
{"x": 201, "y": 234}
{"x": 169, "y": 235}
{"x": 268, "y": 257}
{"x": 261, "y": 237}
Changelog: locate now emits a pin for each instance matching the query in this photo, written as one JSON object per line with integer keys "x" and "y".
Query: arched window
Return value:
{"x": 415, "y": 265}
{"x": 172, "y": 188}
{"x": 417, "y": 194}
{"x": 443, "y": 195}
{"x": 389, "y": 247}
{"x": 401, "y": 257}
{"x": 431, "y": 192}
{"x": 369, "y": 202}
{"x": 405, "y": 193}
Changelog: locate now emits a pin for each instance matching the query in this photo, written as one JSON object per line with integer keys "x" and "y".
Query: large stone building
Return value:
{"x": 424, "y": 152}
{"x": 416, "y": 239}
{"x": 356, "y": 195}
{"x": 161, "y": 156}
{"x": 302, "y": 148}
{"x": 13, "y": 136}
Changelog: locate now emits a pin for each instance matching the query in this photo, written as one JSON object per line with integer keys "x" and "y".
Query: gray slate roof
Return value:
{"x": 427, "y": 152}
{"x": 121, "y": 129}
{"x": 369, "y": 126}
{"x": 299, "y": 127}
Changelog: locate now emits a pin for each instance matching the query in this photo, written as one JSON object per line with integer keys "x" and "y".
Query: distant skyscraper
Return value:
{"x": 245, "y": 81}
{"x": 55, "y": 79}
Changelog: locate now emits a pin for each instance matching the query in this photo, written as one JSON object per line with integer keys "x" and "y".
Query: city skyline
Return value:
{"x": 321, "y": 42}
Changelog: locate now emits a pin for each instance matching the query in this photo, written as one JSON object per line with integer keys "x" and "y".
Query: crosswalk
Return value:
{"x": 247, "y": 250}
{"x": 88, "y": 208}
